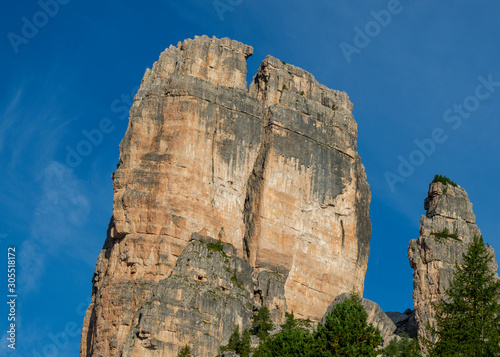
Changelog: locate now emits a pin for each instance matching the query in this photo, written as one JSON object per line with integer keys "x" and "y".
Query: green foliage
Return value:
{"x": 233, "y": 342}
{"x": 290, "y": 322}
{"x": 185, "y": 352}
{"x": 444, "y": 180}
{"x": 234, "y": 279}
{"x": 468, "y": 320}
{"x": 284, "y": 87}
{"x": 238, "y": 343}
{"x": 346, "y": 332}
{"x": 334, "y": 107}
{"x": 216, "y": 247}
{"x": 302, "y": 93}
{"x": 262, "y": 324}
{"x": 244, "y": 347}
{"x": 291, "y": 342}
{"x": 405, "y": 347}
{"x": 283, "y": 62}
{"x": 445, "y": 234}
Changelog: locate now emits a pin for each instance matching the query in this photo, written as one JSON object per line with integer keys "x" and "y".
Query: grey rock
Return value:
{"x": 433, "y": 258}
{"x": 209, "y": 293}
{"x": 405, "y": 322}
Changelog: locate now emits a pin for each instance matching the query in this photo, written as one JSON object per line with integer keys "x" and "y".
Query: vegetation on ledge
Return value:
{"x": 444, "y": 180}
{"x": 445, "y": 234}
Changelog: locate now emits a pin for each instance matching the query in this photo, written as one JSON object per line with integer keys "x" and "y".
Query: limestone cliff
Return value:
{"x": 433, "y": 257}
{"x": 271, "y": 170}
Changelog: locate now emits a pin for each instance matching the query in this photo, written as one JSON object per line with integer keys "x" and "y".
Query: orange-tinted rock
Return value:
{"x": 272, "y": 170}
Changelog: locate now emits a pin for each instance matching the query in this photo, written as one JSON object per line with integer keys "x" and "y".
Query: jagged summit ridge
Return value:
{"x": 271, "y": 170}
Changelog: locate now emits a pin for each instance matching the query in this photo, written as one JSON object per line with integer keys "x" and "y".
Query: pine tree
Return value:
{"x": 290, "y": 321}
{"x": 346, "y": 332}
{"x": 262, "y": 323}
{"x": 244, "y": 347}
{"x": 405, "y": 347}
{"x": 291, "y": 342}
{"x": 185, "y": 352}
{"x": 468, "y": 319}
{"x": 234, "y": 341}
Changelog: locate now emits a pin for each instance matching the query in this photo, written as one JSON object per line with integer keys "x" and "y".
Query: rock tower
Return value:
{"x": 227, "y": 198}
{"x": 433, "y": 257}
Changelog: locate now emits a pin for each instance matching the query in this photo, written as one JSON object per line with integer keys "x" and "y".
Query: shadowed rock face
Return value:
{"x": 271, "y": 170}
{"x": 433, "y": 258}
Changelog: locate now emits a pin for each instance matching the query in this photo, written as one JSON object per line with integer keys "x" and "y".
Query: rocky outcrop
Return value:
{"x": 445, "y": 232}
{"x": 405, "y": 322}
{"x": 271, "y": 170}
{"x": 208, "y": 293}
{"x": 376, "y": 316}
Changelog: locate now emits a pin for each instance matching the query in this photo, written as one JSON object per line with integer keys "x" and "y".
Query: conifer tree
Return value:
{"x": 468, "y": 319}
{"x": 290, "y": 322}
{"x": 262, "y": 323}
{"x": 244, "y": 347}
{"x": 234, "y": 341}
{"x": 405, "y": 347}
{"x": 346, "y": 331}
{"x": 292, "y": 342}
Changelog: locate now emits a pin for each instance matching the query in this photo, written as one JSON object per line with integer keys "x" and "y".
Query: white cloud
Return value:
{"x": 60, "y": 215}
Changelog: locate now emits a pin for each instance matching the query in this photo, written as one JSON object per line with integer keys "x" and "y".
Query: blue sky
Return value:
{"x": 78, "y": 64}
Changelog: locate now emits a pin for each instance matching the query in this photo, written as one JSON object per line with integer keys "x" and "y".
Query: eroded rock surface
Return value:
{"x": 272, "y": 170}
{"x": 432, "y": 257}
{"x": 208, "y": 293}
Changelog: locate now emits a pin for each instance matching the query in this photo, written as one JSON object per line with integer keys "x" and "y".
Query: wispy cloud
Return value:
{"x": 60, "y": 215}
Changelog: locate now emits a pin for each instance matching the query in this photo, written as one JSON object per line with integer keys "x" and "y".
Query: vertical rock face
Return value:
{"x": 433, "y": 258}
{"x": 272, "y": 171}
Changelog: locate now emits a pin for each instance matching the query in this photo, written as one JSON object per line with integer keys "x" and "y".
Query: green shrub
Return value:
{"x": 216, "y": 247}
{"x": 185, "y": 352}
{"x": 405, "y": 347}
{"x": 445, "y": 234}
{"x": 444, "y": 180}
{"x": 302, "y": 93}
{"x": 284, "y": 87}
{"x": 234, "y": 279}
